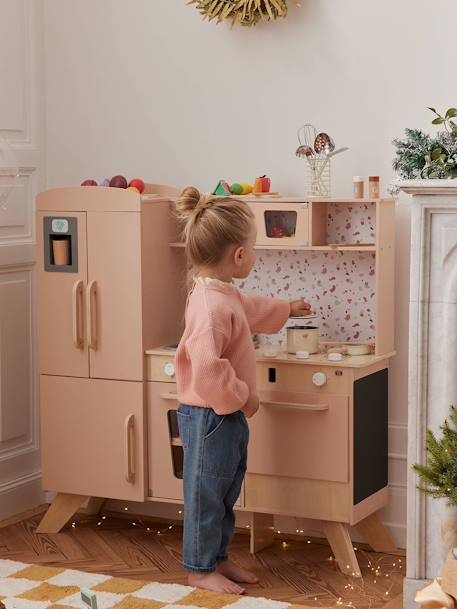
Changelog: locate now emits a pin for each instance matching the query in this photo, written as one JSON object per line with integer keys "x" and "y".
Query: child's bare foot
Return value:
{"x": 236, "y": 573}
{"x": 216, "y": 582}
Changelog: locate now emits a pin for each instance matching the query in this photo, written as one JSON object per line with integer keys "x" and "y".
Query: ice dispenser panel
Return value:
{"x": 60, "y": 244}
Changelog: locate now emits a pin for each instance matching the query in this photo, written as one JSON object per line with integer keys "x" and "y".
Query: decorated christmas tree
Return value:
{"x": 439, "y": 476}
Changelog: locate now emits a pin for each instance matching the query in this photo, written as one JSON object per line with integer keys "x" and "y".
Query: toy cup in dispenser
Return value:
{"x": 61, "y": 251}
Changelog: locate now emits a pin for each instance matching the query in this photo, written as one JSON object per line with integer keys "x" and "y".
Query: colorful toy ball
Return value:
{"x": 105, "y": 182}
{"x": 236, "y": 189}
{"x": 133, "y": 188}
{"x": 118, "y": 182}
{"x": 137, "y": 183}
{"x": 89, "y": 183}
{"x": 247, "y": 188}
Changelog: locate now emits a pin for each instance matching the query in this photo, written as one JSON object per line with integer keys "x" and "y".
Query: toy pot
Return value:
{"x": 303, "y": 338}
{"x": 61, "y": 251}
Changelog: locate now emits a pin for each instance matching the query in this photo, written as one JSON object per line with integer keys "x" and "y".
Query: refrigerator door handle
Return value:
{"x": 91, "y": 311}
{"x": 128, "y": 445}
{"x": 78, "y": 339}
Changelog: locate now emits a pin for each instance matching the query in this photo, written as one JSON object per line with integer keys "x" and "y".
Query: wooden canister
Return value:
{"x": 373, "y": 187}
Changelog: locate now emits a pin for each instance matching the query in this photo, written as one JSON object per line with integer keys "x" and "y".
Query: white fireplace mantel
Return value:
{"x": 432, "y": 360}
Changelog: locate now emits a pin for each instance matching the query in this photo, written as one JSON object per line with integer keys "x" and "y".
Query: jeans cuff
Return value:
{"x": 199, "y": 569}
{"x": 222, "y": 558}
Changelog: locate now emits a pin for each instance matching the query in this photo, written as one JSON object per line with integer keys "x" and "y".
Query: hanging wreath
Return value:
{"x": 244, "y": 12}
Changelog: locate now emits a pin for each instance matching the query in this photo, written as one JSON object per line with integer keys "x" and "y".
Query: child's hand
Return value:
{"x": 299, "y": 308}
{"x": 251, "y": 406}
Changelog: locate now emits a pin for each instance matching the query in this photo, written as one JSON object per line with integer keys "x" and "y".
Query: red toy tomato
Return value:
{"x": 137, "y": 183}
{"x": 89, "y": 183}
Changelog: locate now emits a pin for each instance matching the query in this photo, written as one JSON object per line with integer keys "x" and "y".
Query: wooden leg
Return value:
{"x": 262, "y": 531}
{"x": 338, "y": 537}
{"x": 376, "y": 534}
{"x": 59, "y": 512}
{"x": 93, "y": 506}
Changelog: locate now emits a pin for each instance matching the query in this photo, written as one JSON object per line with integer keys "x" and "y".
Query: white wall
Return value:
{"x": 145, "y": 88}
{"x": 22, "y": 124}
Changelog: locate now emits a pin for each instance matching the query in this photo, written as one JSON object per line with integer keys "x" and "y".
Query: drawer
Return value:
{"x": 298, "y": 378}
{"x": 282, "y": 224}
{"x": 160, "y": 368}
{"x": 300, "y": 435}
{"x": 165, "y": 449}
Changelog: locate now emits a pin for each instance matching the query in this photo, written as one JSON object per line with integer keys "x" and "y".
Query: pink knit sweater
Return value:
{"x": 215, "y": 359}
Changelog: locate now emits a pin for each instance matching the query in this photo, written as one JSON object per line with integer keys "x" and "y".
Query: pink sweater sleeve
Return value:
{"x": 265, "y": 315}
{"x": 214, "y": 378}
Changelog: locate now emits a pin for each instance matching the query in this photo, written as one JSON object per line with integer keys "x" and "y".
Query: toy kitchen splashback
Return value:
{"x": 340, "y": 285}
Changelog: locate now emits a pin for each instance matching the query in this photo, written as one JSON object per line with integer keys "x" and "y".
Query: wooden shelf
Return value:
{"x": 313, "y": 248}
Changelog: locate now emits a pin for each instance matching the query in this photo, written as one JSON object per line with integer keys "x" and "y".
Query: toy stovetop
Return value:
{"x": 318, "y": 359}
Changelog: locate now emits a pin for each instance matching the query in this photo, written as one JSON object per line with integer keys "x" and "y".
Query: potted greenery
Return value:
{"x": 438, "y": 477}
{"x": 421, "y": 156}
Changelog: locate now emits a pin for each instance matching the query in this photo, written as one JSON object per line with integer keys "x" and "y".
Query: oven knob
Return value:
{"x": 169, "y": 369}
{"x": 319, "y": 379}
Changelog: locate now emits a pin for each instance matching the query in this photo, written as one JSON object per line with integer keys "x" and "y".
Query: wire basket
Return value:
{"x": 318, "y": 177}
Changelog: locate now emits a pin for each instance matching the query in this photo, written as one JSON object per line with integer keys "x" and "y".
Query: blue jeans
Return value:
{"x": 215, "y": 455}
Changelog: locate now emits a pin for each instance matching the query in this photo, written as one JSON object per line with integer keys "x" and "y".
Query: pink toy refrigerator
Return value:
{"x": 109, "y": 287}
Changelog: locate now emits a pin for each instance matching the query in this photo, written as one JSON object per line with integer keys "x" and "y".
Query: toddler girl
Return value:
{"x": 216, "y": 380}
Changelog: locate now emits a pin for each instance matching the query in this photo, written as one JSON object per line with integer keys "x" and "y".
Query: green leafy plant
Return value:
{"x": 445, "y": 120}
{"x": 438, "y": 478}
{"x": 422, "y": 156}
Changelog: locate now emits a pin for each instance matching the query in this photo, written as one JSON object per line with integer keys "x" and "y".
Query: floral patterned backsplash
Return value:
{"x": 340, "y": 286}
{"x": 351, "y": 223}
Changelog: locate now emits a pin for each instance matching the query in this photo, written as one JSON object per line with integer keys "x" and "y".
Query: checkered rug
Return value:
{"x": 24, "y": 586}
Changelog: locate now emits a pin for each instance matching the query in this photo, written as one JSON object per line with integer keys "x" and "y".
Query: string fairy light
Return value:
{"x": 359, "y": 588}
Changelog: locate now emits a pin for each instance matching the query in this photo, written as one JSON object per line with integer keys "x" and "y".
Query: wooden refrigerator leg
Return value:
{"x": 262, "y": 531}
{"x": 376, "y": 534}
{"x": 59, "y": 512}
{"x": 94, "y": 506}
{"x": 338, "y": 537}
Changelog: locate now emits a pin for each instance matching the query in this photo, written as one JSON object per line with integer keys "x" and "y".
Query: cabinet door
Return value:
{"x": 113, "y": 298}
{"x": 300, "y": 435}
{"x": 62, "y": 344}
{"x": 92, "y": 437}
{"x": 165, "y": 448}
{"x": 282, "y": 224}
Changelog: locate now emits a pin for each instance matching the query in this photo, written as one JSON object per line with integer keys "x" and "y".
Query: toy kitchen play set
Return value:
{"x": 111, "y": 296}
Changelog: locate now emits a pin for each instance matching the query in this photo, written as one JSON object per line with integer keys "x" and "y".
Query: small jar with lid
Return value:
{"x": 373, "y": 187}
{"x": 358, "y": 187}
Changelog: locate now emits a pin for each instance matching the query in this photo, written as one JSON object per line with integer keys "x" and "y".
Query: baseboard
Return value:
{"x": 410, "y": 587}
{"x": 20, "y": 495}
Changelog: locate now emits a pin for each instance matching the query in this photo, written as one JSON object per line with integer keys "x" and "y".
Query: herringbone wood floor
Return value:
{"x": 297, "y": 571}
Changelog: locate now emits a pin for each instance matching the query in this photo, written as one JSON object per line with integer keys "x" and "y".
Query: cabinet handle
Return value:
{"x": 78, "y": 340}
{"x": 91, "y": 311}
{"x": 295, "y": 406}
{"x": 169, "y": 396}
{"x": 128, "y": 448}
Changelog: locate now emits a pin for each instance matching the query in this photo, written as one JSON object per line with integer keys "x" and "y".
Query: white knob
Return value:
{"x": 319, "y": 379}
{"x": 169, "y": 369}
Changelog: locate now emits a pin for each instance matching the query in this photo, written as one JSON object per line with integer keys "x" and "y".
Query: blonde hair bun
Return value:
{"x": 190, "y": 201}
{"x": 210, "y": 224}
